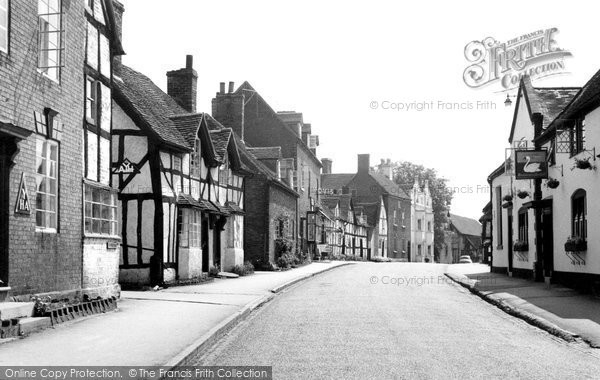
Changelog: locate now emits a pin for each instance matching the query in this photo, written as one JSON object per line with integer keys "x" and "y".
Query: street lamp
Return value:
{"x": 508, "y": 102}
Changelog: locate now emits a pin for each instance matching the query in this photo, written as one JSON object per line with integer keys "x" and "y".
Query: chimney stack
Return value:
{"x": 327, "y": 165}
{"x": 364, "y": 163}
{"x": 228, "y": 109}
{"x": 182, "y": 85}
{"x": 117, "y": 9}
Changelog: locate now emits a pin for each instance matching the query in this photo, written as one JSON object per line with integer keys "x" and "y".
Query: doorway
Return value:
{"x": 547, "y": 241}
{"x": 204, "y": 244}
{"x": 510, "y": 239}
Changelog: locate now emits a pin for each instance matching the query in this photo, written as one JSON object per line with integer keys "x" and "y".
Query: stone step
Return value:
{"x": 4, "y": 293}
{"x": 30, "y": 325}
{"x": 227, "y": 275}
{"x": 12, "y": 310}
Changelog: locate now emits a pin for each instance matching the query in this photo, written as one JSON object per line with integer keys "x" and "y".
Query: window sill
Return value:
{"x": 41, "y": 230}
{"x": 101, "y": 236}
{"x": 44, "y": 75}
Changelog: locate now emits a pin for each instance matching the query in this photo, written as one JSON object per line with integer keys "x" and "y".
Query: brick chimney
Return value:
{"x": 386, "y": 168}
{"x": 364, "y": 163}
{"x": 182, "y": 85}
{"x": 228, "y": 109}
{"x": 327, "y": 165}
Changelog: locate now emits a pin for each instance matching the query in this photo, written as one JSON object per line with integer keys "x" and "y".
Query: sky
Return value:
{"x": 345, "y": 65}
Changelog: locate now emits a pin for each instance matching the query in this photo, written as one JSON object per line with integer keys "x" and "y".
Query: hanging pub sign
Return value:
{"x": 531, "y": 164}
{"x": 23, "y": 205}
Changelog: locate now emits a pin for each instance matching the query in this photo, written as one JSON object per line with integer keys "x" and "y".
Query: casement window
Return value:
{"x": 97, "y": 132}
{"x": 429, "y": 250}
{"x": 419, "y": 225}
{"x": 4, "y": 14}
{"x": 578, "y": 137}
{"x": 578, "y": 214}
{"x": 196, "y": 160}
{"x": 280, "y": 228}
{"x": 94, "y": 8}
{"x": 46, "y": 185}
{"x": 523, "y": 225}
{"x": 100, "y": 212}
{"x": 224, "y": 175}
{"x": 429, "y": 226}
{"x": 50, "y": 38}
{"x": 92, "y": 91}
{"x": 419, "y": 249}
{"x": 189, "y": 236}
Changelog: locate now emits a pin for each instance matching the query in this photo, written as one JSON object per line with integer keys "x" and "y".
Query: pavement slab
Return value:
{"x": 152, "y": 327}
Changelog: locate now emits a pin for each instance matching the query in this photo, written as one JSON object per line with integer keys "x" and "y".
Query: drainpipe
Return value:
{"x": 537, "y": 197}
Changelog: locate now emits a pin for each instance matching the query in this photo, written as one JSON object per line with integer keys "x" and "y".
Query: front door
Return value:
{"x": 547, "y": 242}
{"x": 204, "y": 244}
{"x": 509, "y": 243}
{"x": 4, "y": 210}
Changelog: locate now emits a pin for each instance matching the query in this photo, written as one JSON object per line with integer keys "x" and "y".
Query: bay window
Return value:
{"x": 189, "y": 235}
{"x": 523, "y": 223}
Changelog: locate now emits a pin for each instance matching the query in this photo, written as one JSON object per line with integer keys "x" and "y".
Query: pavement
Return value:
{"x": 153, "y": 328}
{"x": 395, "y": 321}
{"x": 559, "y": 310}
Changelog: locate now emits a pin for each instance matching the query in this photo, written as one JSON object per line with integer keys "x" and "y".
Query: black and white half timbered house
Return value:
{"x": 180, "y": 182}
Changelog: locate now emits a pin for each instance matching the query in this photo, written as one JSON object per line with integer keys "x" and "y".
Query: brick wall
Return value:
{"x": 255, "y": 223}
{"x": 44, "y": 262}
{"x": 282, "y": 205}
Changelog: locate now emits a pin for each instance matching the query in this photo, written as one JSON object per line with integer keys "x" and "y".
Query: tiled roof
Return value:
{"x": 345, "y": 202}
{"x": 388, "y": 185}
{"x": 466, "y": 226}
{"x": 330, "y": 203}
{"x": 220, "y": 139}
{"x": 335, "y": 181}
{"x": 187, "y": 125}
{"x": 150, "y": 104}
{"x": 588, "y": 95}
{"x": 550, "y": 101}
{"x": 264, "y": 153}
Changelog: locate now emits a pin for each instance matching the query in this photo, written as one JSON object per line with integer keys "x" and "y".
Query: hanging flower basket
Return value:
{"x": 522, "y": 194}
{"x": 507, "y": 198}
{"x": 552, "y": 183}
{"x": 520, "y": 246}
{"x": 575, "y": 244}
{"x": 583, "y": 163}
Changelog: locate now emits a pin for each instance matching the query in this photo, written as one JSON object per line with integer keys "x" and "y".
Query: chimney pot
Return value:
{"x": 222, "y": 88}
{"x": 231, "y": 87}
{"x": 189, "y": 61}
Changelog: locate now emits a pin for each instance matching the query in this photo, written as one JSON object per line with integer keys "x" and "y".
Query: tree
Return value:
{"x": 405, "y": 174}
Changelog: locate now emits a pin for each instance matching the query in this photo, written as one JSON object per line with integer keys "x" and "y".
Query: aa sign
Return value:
{"x": 531, "y": 164}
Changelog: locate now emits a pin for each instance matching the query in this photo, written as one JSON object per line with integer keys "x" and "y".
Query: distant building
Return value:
{"x": 258, "y": 125}
{"x": 462, "y": 237}
{"x": 367, "y": 187}
{"x": 421, "y": 224}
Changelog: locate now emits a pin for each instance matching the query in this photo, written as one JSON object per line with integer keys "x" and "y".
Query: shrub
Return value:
{"x": 213, "y": 271}
{"x": 240, "y": 270}
{"x": 285, "y": 261}
{"x": 283, "y": 246}
{"x": 249, "y": 267}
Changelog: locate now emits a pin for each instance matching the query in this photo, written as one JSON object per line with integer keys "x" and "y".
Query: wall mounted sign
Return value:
{"x": 126, "y": 167}
{"x": 23, "y": 205}
{"x": 531, "y": 164}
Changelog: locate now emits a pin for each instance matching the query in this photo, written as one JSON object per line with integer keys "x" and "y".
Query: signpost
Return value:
{"x": 531, "y": 164}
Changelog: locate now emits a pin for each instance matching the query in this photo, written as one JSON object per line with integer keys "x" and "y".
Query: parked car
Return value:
{"x": 465, "y": 260}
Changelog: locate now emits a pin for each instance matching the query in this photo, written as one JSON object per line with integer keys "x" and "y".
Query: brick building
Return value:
{"x": 271, "y": 205}
{"x": 258, "y": 125}
{"x": 54, "y": 148}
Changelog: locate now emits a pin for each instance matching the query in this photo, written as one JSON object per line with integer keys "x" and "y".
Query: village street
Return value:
{"x": 395, "y": 320}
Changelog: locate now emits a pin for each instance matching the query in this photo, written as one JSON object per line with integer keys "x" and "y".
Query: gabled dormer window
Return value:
{"x": 50, "y": 38}
{"x": 4, "y": 13}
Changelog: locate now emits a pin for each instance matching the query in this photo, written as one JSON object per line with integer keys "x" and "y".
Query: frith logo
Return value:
{"x": 535, "y": 54}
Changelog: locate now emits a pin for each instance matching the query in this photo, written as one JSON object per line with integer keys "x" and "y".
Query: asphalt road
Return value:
{"x": 395, "y": 320}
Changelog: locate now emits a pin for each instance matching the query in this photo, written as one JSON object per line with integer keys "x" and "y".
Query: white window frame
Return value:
{"x": 45, "y": 160}
{"x": 196, "y": 161}
{"x": 92, "y": 100}
{"x": 45, "y": 14}
{"x": 99, "y": 212}
{"x": 5, "y": 6}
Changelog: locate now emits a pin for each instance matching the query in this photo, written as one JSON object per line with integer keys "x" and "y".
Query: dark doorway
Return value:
{"x": 5, "y": 156}
{"x": 217, "y": 246}
{"x": 204, "y": 244}
{"x": 510, "y": 239}
{"x": 547, "y": 241}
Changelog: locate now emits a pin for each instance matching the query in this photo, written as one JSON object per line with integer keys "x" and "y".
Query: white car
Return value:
{"x": 465, "y": 260}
